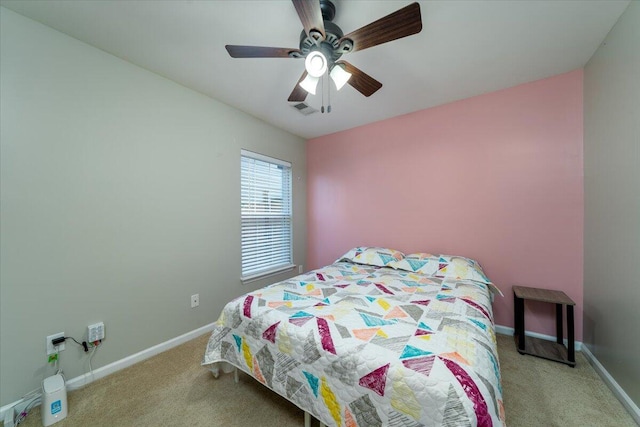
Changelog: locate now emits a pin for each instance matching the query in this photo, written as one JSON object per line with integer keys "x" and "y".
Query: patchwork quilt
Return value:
{"x": 361, "y": 345}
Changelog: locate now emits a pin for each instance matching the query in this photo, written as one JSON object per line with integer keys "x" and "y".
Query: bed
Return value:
{"x": 378, "y": 338}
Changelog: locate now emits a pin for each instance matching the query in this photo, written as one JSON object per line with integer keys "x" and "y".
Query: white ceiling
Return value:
{"x": 466, "y": 48}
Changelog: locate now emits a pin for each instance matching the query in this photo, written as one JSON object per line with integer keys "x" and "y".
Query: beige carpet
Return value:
{"x": 172, "y": 389}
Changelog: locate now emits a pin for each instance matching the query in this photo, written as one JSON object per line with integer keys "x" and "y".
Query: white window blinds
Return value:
{"x": 266, "y": 215}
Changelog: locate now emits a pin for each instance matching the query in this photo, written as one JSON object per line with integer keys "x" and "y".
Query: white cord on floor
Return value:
{"x": 91, "y": 357}
{"x": 25, "y": 412}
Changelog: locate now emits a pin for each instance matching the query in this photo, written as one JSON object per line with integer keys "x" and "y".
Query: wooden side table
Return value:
{"x": 546, "y": 349}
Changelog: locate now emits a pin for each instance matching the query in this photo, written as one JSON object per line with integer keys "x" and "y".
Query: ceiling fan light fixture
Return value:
{"x": 315, "y": 64}
{"x": 322, "y": 43}
{"x": 339, "y": 76}
{"x": 310, "y": 83}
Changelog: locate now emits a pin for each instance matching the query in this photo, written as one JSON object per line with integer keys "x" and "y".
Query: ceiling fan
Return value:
{"x": 322, "y": 44}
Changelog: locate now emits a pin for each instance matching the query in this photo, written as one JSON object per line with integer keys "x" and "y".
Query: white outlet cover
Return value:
{"x": 51, "y": 349}
{"x": 195, "y": 300}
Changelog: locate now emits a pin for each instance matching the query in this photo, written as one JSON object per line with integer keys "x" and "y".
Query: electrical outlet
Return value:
{"x": 195, "y": 300}
{"x": 51, "y": 349}
{"x": 300, "y": 270}
{"x": 95, "y": 332}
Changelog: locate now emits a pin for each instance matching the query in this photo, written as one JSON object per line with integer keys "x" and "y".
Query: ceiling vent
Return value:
{"x": 304, "y": 108}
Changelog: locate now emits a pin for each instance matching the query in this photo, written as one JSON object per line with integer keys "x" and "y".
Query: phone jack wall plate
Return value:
{"x": 95, "y": 332}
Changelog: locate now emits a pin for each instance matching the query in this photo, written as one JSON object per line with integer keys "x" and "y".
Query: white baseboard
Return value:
{"x": 618, "y": 392}
{"x": 505, "y": 330}
{"x": 622, "y": 396}
{"x": 82, "y": 380}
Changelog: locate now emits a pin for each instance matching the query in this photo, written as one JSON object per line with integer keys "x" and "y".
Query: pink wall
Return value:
{"x": 497, "y": 178}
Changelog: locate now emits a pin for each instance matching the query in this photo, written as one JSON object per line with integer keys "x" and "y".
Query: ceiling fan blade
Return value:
{"x": 361, "y": 81}
{"x": 259, "y": 51}
{"x": 298, "y": 94}
{"x": 401, "y": 23}
{"x": 310, "y": 15}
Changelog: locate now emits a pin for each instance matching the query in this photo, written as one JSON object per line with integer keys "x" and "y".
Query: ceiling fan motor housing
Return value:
{"x": 331, "y": 47}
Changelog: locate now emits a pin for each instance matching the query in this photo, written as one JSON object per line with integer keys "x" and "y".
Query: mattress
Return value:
{"x": 362, "y": 345}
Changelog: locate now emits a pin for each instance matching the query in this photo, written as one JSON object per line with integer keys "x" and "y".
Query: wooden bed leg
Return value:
{"x": 235, "y": 375}
{"x": 307, "y": 419}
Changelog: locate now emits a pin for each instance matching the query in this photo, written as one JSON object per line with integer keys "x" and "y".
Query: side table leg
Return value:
{"x": 570, "y": 333}
{"x": 516, "y": 318}
{"x": 559, "y": 337}
{"x": 519, "y": 321}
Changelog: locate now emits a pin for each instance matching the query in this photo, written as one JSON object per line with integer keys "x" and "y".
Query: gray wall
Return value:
{"x": 612, "y": 203}
{"x": 120, "y": 197}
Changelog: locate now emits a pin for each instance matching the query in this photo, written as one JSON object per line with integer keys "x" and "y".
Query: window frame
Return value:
{"x": 275, "y": 268}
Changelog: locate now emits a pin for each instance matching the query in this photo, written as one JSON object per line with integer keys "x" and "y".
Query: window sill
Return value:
{"x": 268, "y": 273}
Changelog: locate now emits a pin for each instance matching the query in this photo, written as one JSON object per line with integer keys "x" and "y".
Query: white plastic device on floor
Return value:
{"x": 54, "y": 400}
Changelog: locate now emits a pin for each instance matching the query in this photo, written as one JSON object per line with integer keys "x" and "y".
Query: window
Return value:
{"x": 266, "y": 215}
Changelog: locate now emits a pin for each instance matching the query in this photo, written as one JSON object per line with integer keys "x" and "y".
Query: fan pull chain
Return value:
{"x": 322, "y": 90}
{"x": 328, "y": 95}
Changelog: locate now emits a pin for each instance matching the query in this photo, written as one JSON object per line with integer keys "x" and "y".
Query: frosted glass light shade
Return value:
{"x": 310, "y": 83}
{"x": 339, "y": 76}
